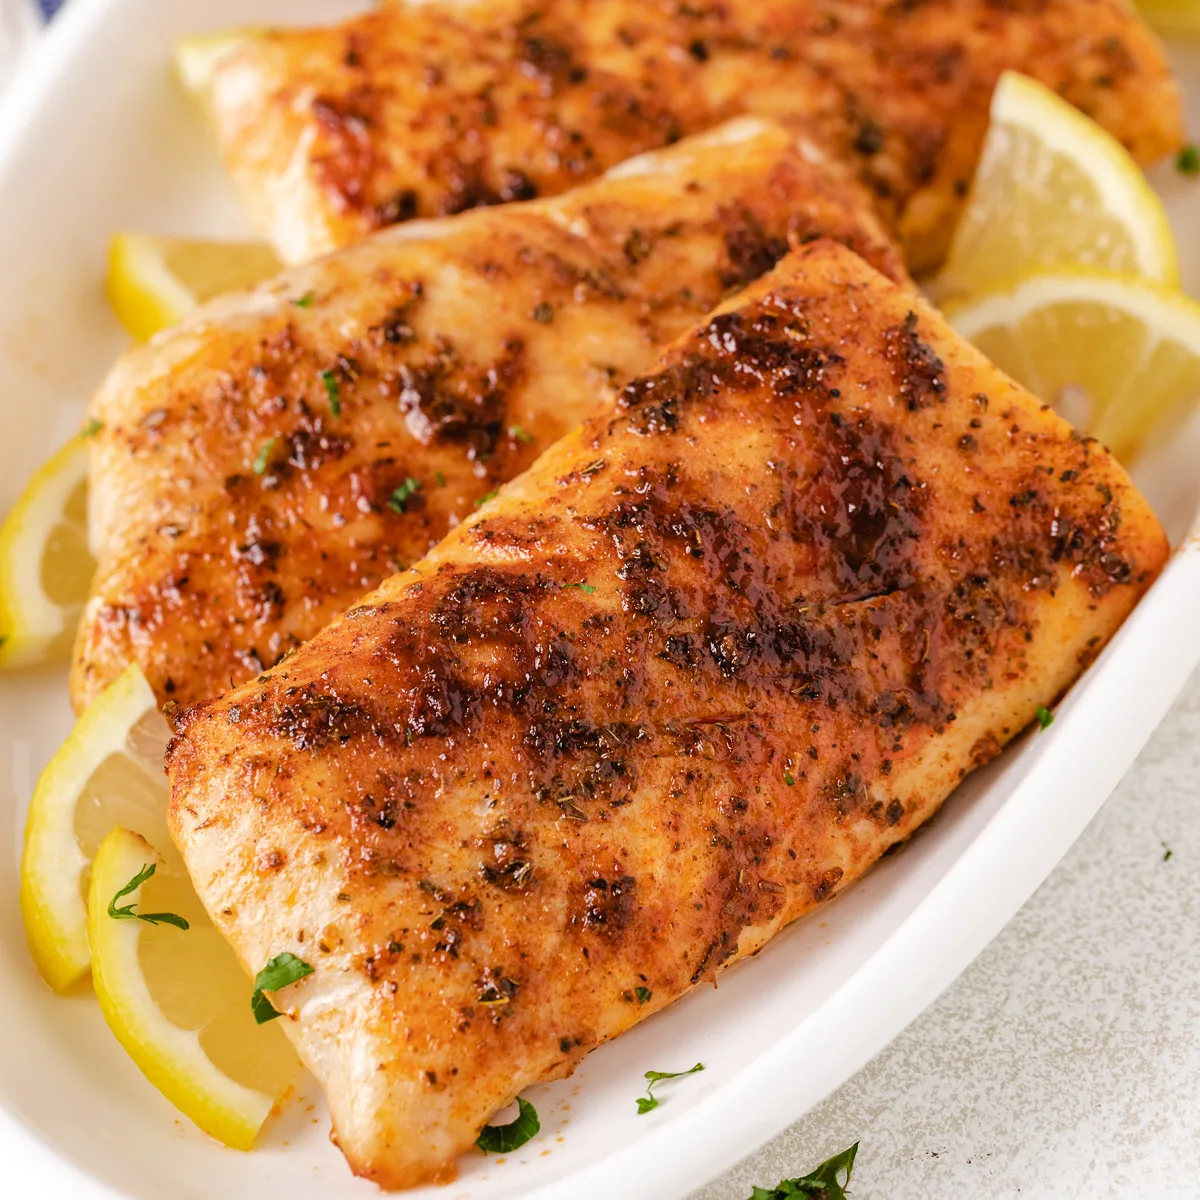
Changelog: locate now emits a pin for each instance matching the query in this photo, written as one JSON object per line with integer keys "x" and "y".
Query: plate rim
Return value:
{"x": 29, "y": 1157}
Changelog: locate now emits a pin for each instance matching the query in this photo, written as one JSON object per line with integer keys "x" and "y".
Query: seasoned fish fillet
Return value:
{"x": 421, "y": 110}
{"x": 258, "y": 467}
{"x": 688, "y": 676}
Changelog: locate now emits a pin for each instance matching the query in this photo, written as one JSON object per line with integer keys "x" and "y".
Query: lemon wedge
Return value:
{"x": 107, "y": 773}
{"x": 154, "y": 282}
{"x": 196, "y": 59}
{"x": 1171, "y": 16}
{"x": 45, "y": 566}
{"x": 1113, "y": 354}
{"x": 177, "y": 999}
{"x": 1052, "y": 190}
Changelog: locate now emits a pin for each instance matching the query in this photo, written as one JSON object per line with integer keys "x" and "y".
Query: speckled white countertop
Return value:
{"x": 1065, "y": 1062}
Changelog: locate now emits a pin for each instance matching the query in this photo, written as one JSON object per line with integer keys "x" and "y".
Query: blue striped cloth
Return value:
{"x": 19, "y": 23}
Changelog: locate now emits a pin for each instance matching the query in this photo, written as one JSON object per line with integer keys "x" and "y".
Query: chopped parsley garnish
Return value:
{"x": 484, "y": 499}
{"x": 500, "y": 1139}
{"x": 1045, "y": 718}
{"x": 787, "y": 778}
{"x": 441, "y": 479}
{"x": 643, "y": 994}
{"x": 283, "y": 969}
{"x": 407, "y": 489}
{"x": 822, "y": 1183}
{"x": 264, "y": 456}
{"x": 163, "y": 918}
{"x": 333, "y": 391}
{"x": 304, "y": 301}
{"x": 583, "y": 587}
{"x": 92, "y": 427}
{"x": 408, "y": 735}
{"x": 515, "y": 431}
{"x": 1188, "y": 160}
{"x": 1167, "y": 852}
{"x": 649, "y": 1101}
{"x": 543, "y": 313}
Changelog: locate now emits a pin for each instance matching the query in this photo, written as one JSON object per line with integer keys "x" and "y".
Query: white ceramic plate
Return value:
{"x": 94, "y": 137}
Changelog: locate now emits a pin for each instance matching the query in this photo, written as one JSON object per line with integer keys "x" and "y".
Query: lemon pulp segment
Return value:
{"x": 1054, "y": 189}
{"x": 1114, "y": 355}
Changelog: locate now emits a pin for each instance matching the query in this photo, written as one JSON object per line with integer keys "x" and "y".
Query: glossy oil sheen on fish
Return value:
{"x": 422, "y": 110}
{"x": 282, "y": 452}
{"x": 681, "y": 682}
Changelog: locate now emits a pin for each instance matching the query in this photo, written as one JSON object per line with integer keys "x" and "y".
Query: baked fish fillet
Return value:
{"x": 420, "y": 110}
{"x": 689, "y": 676}
{"x": 284, "y": 451}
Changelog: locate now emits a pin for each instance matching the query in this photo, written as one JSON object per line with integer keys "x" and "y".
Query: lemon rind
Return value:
{"x": 171, "y": 1058}
{"x": 52, "y": 862}
{"x": 1159, "y": 306}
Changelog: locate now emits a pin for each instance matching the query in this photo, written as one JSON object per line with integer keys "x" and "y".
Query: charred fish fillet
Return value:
{"x": 688, "y": 677}
{"x": 280, "y": 454}
{"x": 422, "y": 110}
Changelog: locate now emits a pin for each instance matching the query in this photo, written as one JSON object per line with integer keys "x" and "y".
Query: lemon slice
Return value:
{"x": 1171, "y": 16}
{"x": 108, "y": 772}
{"x": 1115, "y": 355}
{"x": 1053, "y": 190}
{"x": 45, "y": 566}
{"x": 154, "y": 282}
{"x": 196, "y": 59}
{"x": 178, "y": 1000}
